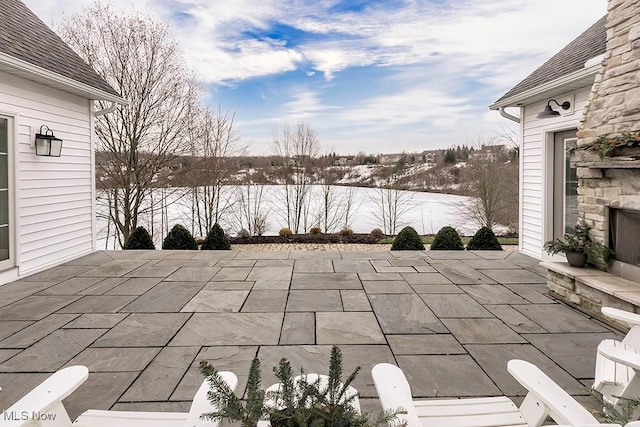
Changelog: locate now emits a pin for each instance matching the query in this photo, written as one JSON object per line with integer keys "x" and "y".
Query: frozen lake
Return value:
{"x": 426, "y": 212}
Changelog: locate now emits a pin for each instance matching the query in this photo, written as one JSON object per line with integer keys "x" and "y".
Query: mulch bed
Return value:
{"x": 308, "y": 238}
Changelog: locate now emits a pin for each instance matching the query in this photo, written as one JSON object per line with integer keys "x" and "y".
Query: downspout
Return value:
{"x": 109, "y": 109}
{"x": 506, "y": 115}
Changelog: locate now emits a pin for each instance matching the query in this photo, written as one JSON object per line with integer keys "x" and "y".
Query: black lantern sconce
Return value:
{"x": 47, "y": 144}
{"x": 550, "y": 112}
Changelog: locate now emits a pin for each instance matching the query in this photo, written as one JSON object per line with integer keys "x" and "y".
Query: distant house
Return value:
{"x": 489, "y": 153}
{"x": 431, "y": 156}
{"x": 548, "y": 182}
{"x": 47, "y": 204}
{"x": 389, "y": 159}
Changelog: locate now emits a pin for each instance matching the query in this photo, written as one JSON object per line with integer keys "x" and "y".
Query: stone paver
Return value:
{"x": 143, "y": 320}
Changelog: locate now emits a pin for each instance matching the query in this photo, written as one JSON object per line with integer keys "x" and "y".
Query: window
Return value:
{"x": 5, "y": 231}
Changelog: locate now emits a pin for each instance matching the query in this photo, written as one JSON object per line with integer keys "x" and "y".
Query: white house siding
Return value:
{"x": 53, "y": 197}
{"x": 537, "y": 140}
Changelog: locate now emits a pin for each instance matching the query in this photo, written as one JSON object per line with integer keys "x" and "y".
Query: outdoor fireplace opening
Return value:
{"x": 624, "y": 235}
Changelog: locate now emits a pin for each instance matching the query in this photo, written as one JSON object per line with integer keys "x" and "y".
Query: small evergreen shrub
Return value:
{"x": 243, "y": 234}
{"x": 285, "y": 232}
{"x": 484, "y": 240}
{"x": 407, "y": 240}
{"x": 447, "y": 239}
{"x": 179, "y": 238}
{"x": 216, "y": 240}
{"x": 376, "y": 232}
{"x": 345, "y": 232}
{"x": 139, "y": 239}
{"x": 315, "y": 230}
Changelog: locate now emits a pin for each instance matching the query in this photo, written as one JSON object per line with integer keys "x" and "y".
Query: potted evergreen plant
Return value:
{"x": 578, "y": 247}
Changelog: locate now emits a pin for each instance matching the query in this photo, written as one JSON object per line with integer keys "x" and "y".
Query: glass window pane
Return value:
{"x": 4, "y": 207}
{"x": 4, "y": 136}
{"x": 570, "y": 191}
{"x": 4, "y": 171}
{"x": 4, "y": 243}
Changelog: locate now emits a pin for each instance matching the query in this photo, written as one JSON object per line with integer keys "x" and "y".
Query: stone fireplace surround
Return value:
{"x": 613, "y": 183}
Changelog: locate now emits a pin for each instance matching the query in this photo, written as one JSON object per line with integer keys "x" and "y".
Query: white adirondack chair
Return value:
{"x": 544, "y": 398}
{"x": 43, "y": 406}
{"x": 617, "y": 361}
{"x": 200, "y": 405}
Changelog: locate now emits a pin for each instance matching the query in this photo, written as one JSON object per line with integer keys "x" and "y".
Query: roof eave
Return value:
{"x": 521, "y": 98}
{"x": 50, "y": 78}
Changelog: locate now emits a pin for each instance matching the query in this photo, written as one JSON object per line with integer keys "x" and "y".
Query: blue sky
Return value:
{"x": 373, "y": 76}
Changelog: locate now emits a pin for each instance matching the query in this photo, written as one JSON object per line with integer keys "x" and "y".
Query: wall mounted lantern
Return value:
{"x": 47, "y": 144}
{"x": 550, "y": 112}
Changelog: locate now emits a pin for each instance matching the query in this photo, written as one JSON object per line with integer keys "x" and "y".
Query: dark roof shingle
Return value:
{"x": 571, "y": 58}
{"x": 24, "y": 36}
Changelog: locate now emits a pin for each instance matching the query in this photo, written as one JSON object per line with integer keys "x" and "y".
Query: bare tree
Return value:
{"x": 297, "y": 149}
{"x": 251, "y": 210}
{"x": 391, "y": 205}
{"x": 140, "y": 141}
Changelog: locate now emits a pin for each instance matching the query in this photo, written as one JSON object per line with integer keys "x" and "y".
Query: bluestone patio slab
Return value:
{"x": 493, "y": 360}
{"x": 410, "y": 254}
{"x": 454, "y": 305}
{"x": 190, "y": 274}
{"x": 25, "y": 336}
{"x": 353, "y": 266}
{"x": 35, "y": 307}
{"x": 8, "y": 354}
{"x": 446, "y": 376}
{"x": 93, "y": 320}
{"x": 313, "y": 266}
{"x": 95, "y": 258}
{"x": 151, "y": 271}
{"x": 262, "y": 255}
{"x": 490, "y": 264}
{"x": 426, "y": 279}
{"x": 98, "y": 304}
{"x": 574, "y": 352}
{"x": 379, "y": 276}
{"x": 158, "y": 381}
{"x": 270, "y": 273}
{"x": 208, "y": 329}
{"x": 316, "y": 255}
{"x": 397, "y": 269}
{"x": 515, "y": 320}
{"x": 531, "y": 294}
{"x": 265, "y": 301}
{"x": 314, "y": 300}
{"x": 104, "y": 286}
{"x": 215, "y": 255}
{"x": 134, "y": 286}
{"x": 460, "y": 273}
{"x": 481, "y": 331}
{"x": 117, "y": 359}
{"x": 493, "y": 294}
{"x": 100, "y": 391}
{"x": 404, "y": 314}
{"x": 452, "y": 255}
{"x": 178, "y": 406}
{"x": 208, "y": 301}
{"x": 59, "y": 274}
{"x": 425, "y": 344}
{"x": 114, "y": 268}
{"x": 274, "y": 263}
{"x": 348, "y": 328}
{"x": 231, "y": 286}
{"x": 514, "y": 276}
{"x": 12, "y": 292}
{"x": 387, "y": 287}
{"x": 355, "y": 300}
{"x": 325, "y": 281}
{"x": 528, "y": 263}
{"x": 10, "y": 327}
{"x": 497, "y": 255}
{"x": 231, "y": 274}
{"x": 235, "y": 263}
{"x": 187, "y": 263}
{"x": 118, "y": 255}
{"x": 52, "y": 352}
{"x": 71, "y": 286}
{"x": 409, "y": 263}
{"x": 16, "y": 385}
{"x": 367, "y": 255}
{"x": 271, "y": 284}
{"x": 165, "y": 297}
{"x": 236, "y": 359}
{"x": 437, "y": 289}
{"x": 143, "y": 330}
{"x": 558, "y": 318}
{"x": 298, "y": 328}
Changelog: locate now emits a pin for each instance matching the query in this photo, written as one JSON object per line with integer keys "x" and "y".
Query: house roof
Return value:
{"x": 25, "y": 37}
{"x": 570, "y": 59}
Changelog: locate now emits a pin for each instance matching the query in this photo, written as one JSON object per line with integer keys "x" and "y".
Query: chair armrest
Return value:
{"x": 202, "y": 405}
{"x": 627, "y": 317}
{"x": 394, "y": 392}
{"x": 618, "y": 354}
{"x": 51, "y": 391}
{"x": 543, "y": 390}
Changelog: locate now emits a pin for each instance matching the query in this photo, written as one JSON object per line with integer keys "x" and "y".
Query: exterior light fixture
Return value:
{"x": 47, "y": 144}
{"x": 550, "y": 112}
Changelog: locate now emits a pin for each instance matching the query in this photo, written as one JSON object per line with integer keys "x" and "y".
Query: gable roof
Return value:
{"x": 23, "y": 36}
{"x": 570, "y": 59}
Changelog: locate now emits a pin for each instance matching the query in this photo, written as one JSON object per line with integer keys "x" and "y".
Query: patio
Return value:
{"x": 142, "y": 320}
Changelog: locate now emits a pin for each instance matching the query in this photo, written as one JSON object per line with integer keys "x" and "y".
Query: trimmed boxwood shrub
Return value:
{"x": 407, "y": 240}
{"x": 377, "y": 233}
{"x": 345, "y": 232}
{"x": 447, "y": 239}
{"x": 484, "y": 240}
{"x": 179, "y": 238}
{"x": 216, "y": 240}
{"x": 315, "y": 230}
{"x": 139, "y": 239}
{"x": 285, "y": 232}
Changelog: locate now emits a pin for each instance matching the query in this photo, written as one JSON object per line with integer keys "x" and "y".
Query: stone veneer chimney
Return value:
{"x": 613, "y": 108}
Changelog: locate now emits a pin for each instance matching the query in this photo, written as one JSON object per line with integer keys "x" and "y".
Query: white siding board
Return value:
{"x": 53, "y": 196}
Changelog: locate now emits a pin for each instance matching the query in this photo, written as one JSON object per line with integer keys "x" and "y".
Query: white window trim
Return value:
{"x": 11, "y": 169}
